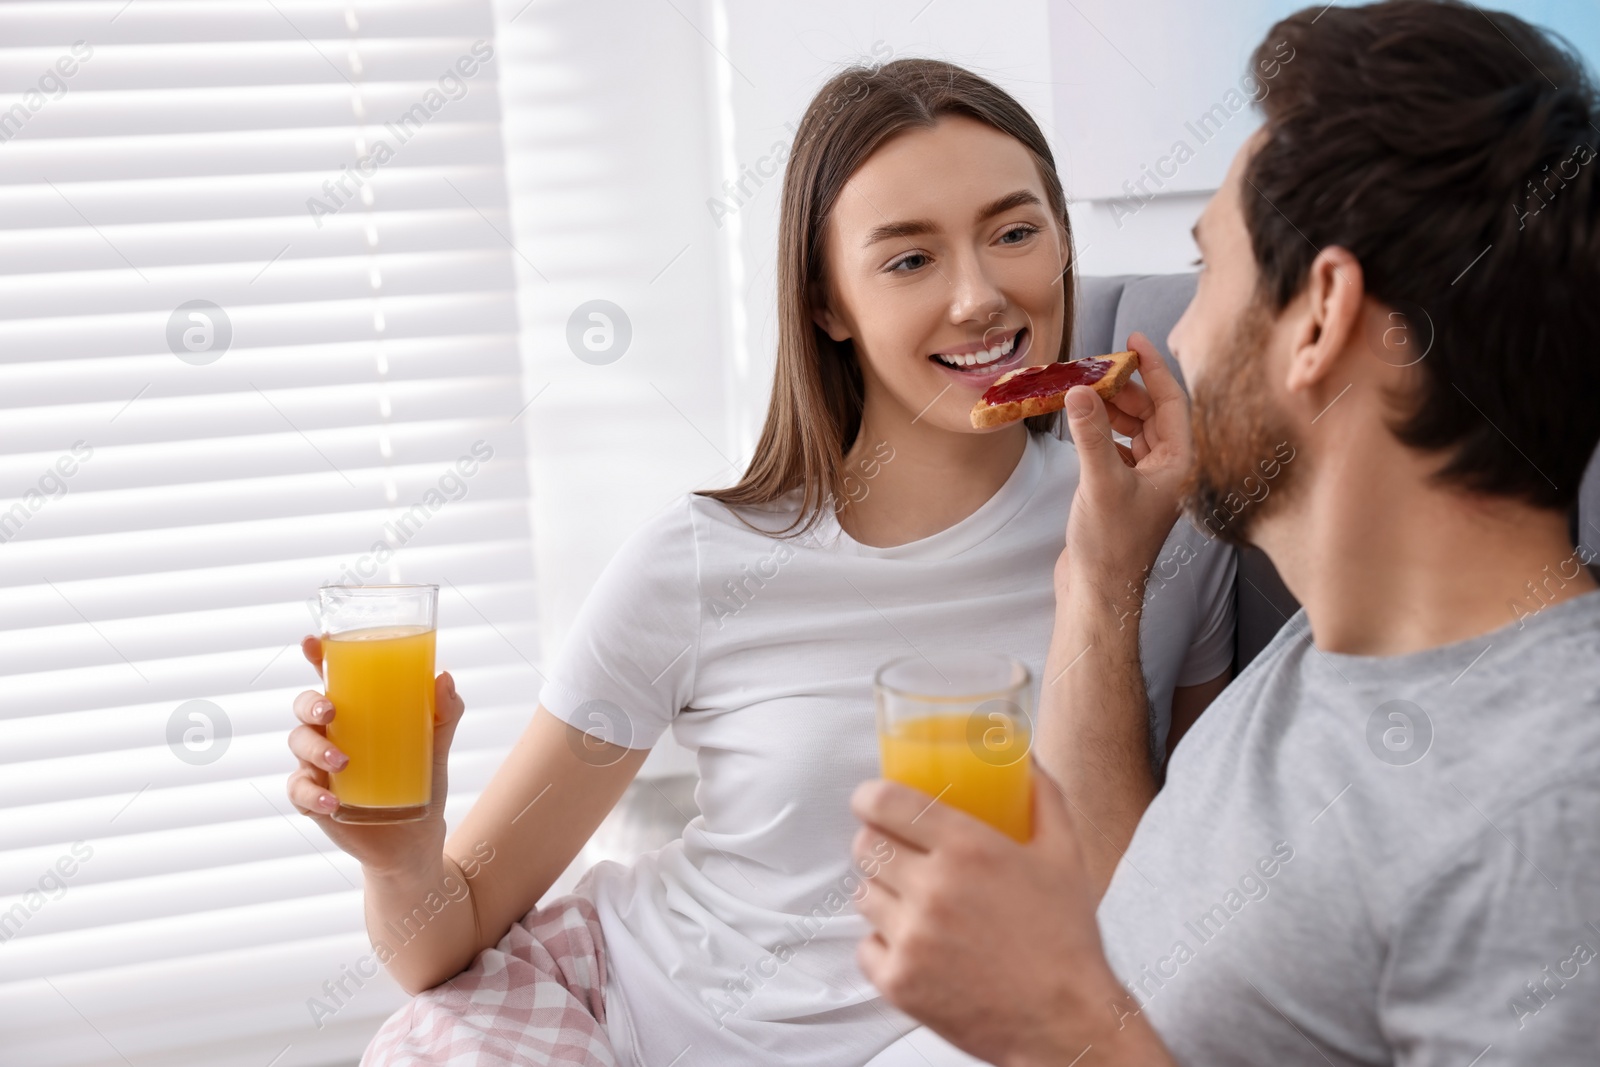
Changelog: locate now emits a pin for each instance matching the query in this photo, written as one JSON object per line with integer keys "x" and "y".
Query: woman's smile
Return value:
{"x": 978, "y": 364}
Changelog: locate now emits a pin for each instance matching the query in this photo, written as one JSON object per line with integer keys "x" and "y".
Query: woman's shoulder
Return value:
{"x": 773, "y": 519}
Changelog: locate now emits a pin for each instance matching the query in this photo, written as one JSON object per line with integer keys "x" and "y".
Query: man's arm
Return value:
{"x": 1094, "y": 735}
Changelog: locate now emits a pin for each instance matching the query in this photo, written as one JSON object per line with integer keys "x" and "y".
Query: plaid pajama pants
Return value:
{"x": 534, "y": 1000}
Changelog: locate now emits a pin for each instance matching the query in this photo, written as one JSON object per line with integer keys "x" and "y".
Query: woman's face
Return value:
{"x": 944, "y": 266}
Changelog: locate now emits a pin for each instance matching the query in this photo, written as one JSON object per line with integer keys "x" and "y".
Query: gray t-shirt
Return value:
{"x": 1375, "y": 860}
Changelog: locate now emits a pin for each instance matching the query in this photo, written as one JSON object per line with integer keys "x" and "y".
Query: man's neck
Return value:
{"x": 1386, "y": 564}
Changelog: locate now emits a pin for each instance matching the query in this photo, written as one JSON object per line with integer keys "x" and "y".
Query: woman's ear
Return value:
{"x": 1334, "y": 295}
{"x": 822, "y": 314}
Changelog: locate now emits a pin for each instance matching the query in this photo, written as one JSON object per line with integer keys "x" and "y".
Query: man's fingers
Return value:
{"x": 1158, "y": 380}
{"x": 907, "y": 815}
{"x": 883, "y": 910}
{"x": 872, "y": 956}
{"x": 1091, "y": 433}
{"x": 1125, "y": 424}
{"x": 1133, "y": 399}
{"x": 894, "y": 863}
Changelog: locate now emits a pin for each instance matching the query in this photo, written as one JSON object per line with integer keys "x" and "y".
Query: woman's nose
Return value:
{"x": 974, "y": 295}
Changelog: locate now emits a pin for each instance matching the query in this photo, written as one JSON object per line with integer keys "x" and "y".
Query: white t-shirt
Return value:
{"x": 736, "y": 943}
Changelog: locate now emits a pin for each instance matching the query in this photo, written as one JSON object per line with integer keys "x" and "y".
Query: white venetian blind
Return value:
{"x": 175, "y": 487}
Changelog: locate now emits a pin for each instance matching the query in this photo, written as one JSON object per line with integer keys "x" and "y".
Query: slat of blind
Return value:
{"x": 249, "y": 293}
{"x": 50, "y": 633}
{"x": 117, "y": 380}
{"x": 324, "y": 322}
{"x": 248, "y": 192}
{"x": 340, "y": 416}
{"x": 347, "y": 417}
{"x": 71, "y": 1043}
{"x": 259, "y": 248}
{"x": 106, "y": 678}
{"x": 256, "y": 241}
{"x": 286, "y": 62}
{"x": 161, "y": 508}
{"x": 297, "y": 968}
{"x": 224, "y": 552}
{"x": 48, "y": 23}
{"x": 226, "y": 800}
{"x": 264, "y": 867}
{"x": 216, "y": 929}
{"x": 387, "y": 107}
{"x": 498, "y": 697}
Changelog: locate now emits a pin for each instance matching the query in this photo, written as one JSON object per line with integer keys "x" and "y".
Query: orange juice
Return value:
{"x": 380, "y": 681}
{"x": 967, "y": 761}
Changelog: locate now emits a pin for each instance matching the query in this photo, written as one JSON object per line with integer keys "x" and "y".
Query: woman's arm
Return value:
{"x": 541, "y": 806}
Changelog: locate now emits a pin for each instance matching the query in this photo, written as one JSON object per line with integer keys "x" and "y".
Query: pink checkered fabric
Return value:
{"x": 531, "y": 1001}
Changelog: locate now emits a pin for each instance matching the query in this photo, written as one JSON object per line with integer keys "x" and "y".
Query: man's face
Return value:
{"x": 1231, "y": 349}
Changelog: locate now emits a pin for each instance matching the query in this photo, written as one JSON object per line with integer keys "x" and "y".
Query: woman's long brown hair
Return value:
{"x": 817, "y": 393}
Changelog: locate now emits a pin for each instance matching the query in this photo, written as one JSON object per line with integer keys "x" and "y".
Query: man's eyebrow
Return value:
{"x": 1194, "y": 232}
{"x": 917, "y": 227}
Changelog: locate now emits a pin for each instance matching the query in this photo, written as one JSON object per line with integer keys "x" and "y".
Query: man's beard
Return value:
{"x": 1242, "y": 446}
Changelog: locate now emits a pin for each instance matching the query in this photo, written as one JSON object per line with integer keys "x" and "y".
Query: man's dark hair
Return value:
{"x": 1453, "y": 151}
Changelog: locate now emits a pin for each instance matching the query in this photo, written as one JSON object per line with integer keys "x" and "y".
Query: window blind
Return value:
{"x": 258, "y": 331}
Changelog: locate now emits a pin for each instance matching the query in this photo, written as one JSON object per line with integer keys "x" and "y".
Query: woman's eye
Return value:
{"x": 1021, "y": 233}
{"x": 910, "y": 263}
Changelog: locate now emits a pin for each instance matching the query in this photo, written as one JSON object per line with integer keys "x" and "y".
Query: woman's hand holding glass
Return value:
{"x": 381, "y": 848}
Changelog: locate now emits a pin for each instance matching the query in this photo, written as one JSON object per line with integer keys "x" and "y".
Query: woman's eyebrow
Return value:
{"x": 916, "y": 227}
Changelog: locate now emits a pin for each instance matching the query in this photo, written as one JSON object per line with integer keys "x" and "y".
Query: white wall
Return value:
{"x": 609, "y": 117}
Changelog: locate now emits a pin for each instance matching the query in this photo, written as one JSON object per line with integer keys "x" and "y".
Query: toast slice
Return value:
{"x": 1029, "y": 391}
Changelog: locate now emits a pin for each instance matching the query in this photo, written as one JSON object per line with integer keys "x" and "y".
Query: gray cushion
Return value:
{"x": 1110, "y": 308}
{"x": 1097, "y": 314}
{"x": 1152, "y": 305}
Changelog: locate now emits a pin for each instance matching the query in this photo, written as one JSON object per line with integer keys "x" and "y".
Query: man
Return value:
{"x": 1382, "y": 843}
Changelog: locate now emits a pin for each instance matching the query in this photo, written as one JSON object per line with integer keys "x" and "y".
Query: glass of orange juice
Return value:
{"x": 960, "y": 730}
{"x": 377, "y": 657}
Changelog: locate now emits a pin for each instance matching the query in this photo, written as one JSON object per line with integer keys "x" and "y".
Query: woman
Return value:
{"x": 924, "y": 250}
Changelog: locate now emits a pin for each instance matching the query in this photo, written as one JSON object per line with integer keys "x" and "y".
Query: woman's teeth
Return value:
{"x": 979, "y": 359}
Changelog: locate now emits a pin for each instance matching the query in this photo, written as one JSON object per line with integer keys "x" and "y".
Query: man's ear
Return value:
{"x": 1334, "y": 294}
{"x": 822, "y": 314}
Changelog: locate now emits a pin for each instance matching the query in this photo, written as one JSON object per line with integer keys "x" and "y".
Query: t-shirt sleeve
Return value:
{"x": 1215, "y": 563}
{"x": 1501, "y": 947}
{"x": 626, "y": 667}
